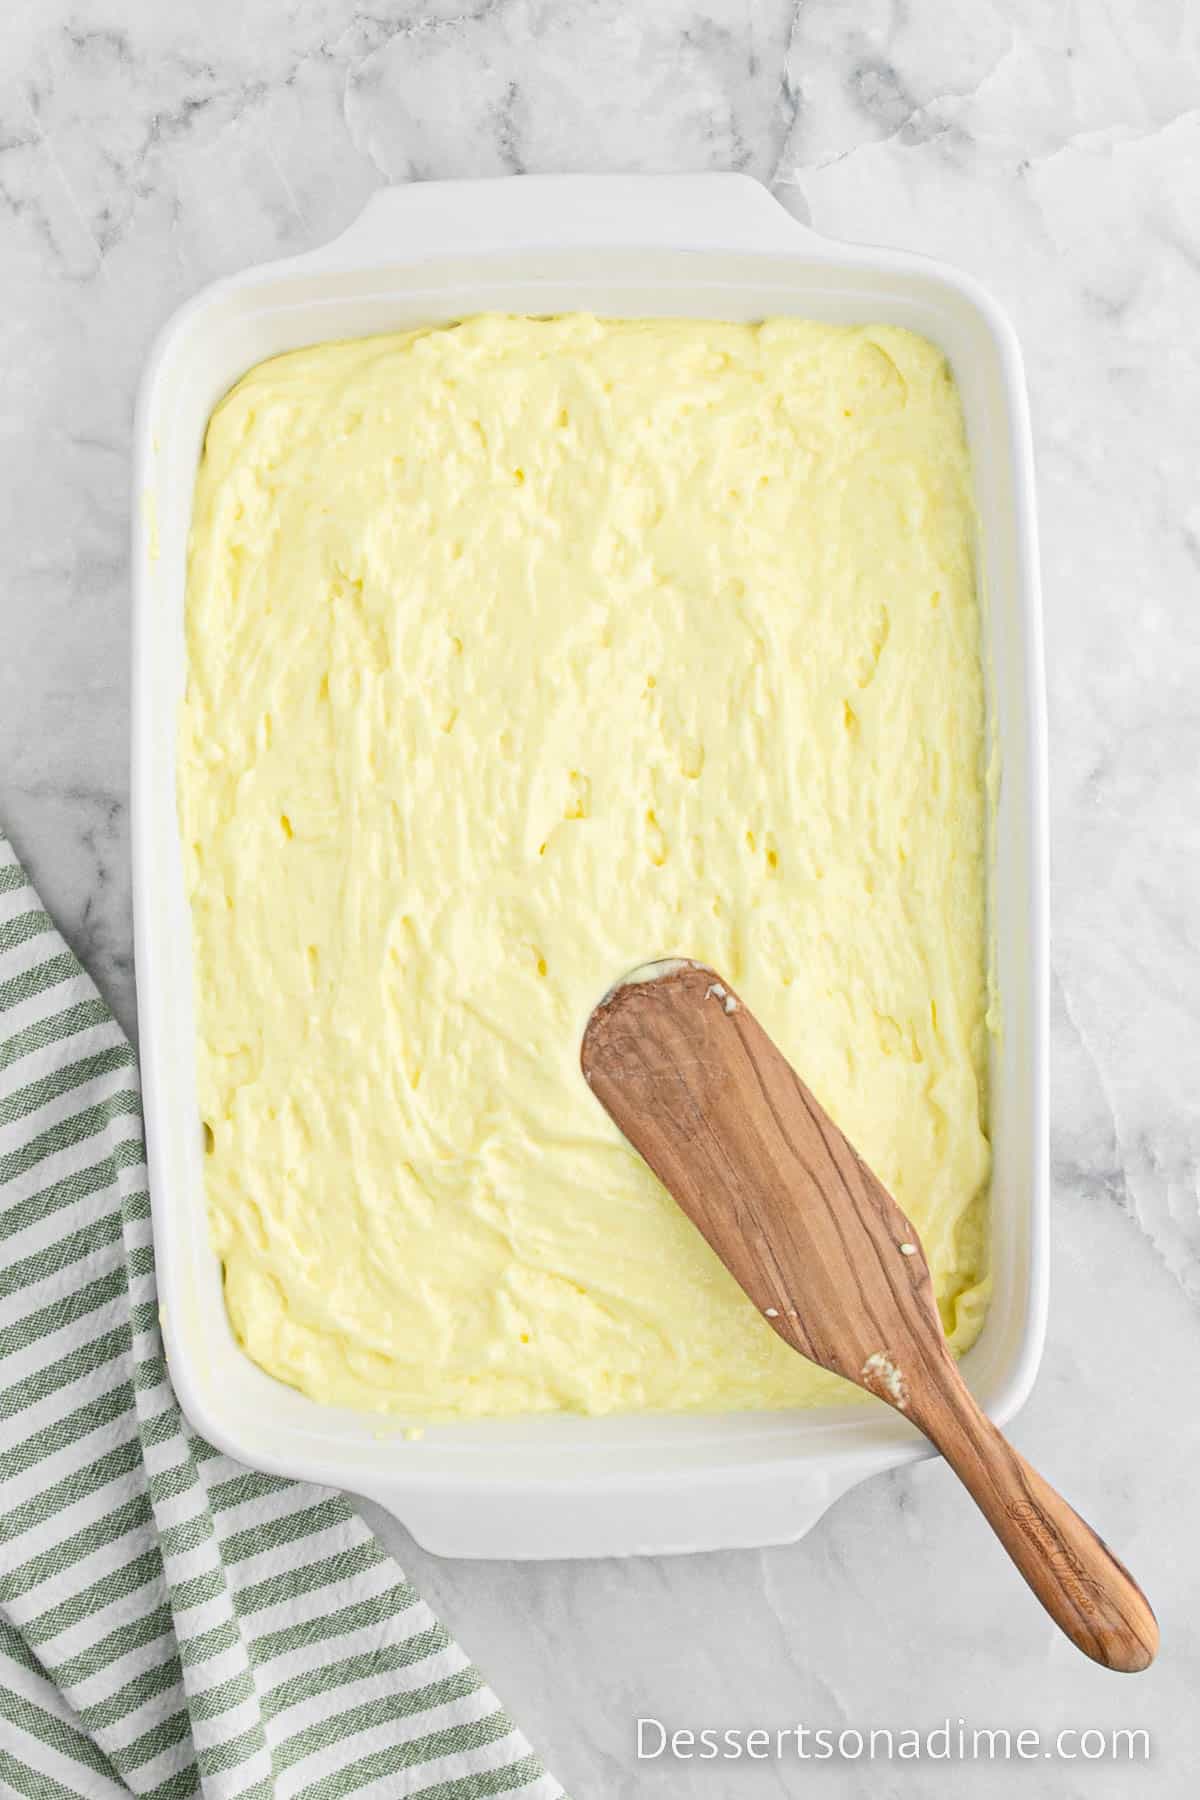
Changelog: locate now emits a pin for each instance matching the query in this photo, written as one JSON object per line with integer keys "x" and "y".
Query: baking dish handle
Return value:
{"x": 557, "y": 212}
{"x": 746, "y": 1509}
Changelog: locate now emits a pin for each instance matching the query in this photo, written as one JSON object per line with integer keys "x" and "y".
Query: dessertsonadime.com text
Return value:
{"x": 951, "y": 1740}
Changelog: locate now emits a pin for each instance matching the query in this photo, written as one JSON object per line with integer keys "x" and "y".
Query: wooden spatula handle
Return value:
{"x": 1086, "y": 1590}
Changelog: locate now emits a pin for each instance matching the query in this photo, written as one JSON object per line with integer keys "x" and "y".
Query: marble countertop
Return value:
{"x": 1054, "y": 151}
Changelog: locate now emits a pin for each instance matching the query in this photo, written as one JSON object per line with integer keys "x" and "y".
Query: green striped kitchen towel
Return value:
{"x": 171, "y": 1623}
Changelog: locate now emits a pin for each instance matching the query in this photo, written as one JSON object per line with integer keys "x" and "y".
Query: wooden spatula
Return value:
{"x": 827, "y": 1256}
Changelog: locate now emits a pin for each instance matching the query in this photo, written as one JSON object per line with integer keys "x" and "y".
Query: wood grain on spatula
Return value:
{"x": 829, "y": 1259}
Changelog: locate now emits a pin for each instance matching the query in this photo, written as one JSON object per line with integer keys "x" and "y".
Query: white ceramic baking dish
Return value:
{"x": 707, "y": 246}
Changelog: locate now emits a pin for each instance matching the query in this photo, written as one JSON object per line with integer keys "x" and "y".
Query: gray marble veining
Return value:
{"x": 1055, "y": 151}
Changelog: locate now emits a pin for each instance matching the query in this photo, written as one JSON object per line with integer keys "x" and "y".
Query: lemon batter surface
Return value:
{"x": 521, "y": 653}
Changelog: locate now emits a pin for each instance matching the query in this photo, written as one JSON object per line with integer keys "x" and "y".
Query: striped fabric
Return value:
{"x": 170, "y": 1623}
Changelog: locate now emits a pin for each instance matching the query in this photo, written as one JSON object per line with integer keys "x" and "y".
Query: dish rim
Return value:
{"x": 699, "y": 216}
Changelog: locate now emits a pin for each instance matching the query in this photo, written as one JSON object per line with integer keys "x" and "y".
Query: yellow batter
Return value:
{"x": 520, "y": 653}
